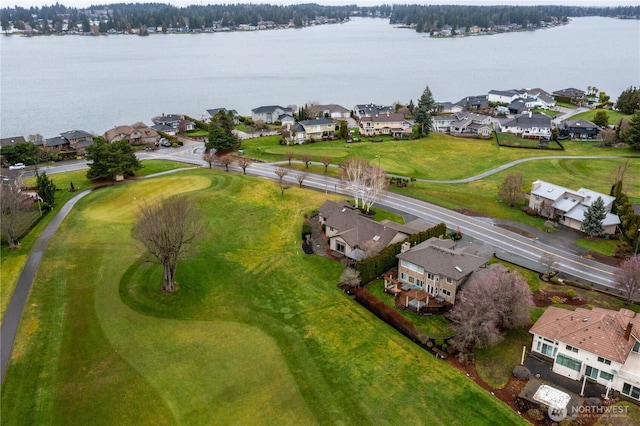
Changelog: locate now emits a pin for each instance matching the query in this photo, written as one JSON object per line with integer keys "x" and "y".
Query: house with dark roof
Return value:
{"x": 601, "y": 345}
{"x": 568, "y": 207}
{"x": 175, "y": 121}
{"x": 317, "y": 129}
{"x": 12, "y": 140}
{"x": 571, "y": 94}
{"x": 474, "y": 103}
{"x": 270, "y": 114}
{"x": 579, "y": 129}
{"x": 354, "y": 235}
{"x": 529, "y": 125}
{"x": 437, "y": 267}
{"x": 56, "y": 144}
{"x": 368, "y": 110}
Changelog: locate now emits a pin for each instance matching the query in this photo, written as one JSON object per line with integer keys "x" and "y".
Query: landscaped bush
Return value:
{"x": 571, "y": 293}
{"x": 535, "y": 414}
{"x": 521, "y": 372}
{"x": 557, "y": 300}
{"x": 306, "y": 229}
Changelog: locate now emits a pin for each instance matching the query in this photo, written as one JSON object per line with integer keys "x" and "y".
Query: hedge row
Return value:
{"x": 374, "y": 266}
{"x": 389, "y": 315}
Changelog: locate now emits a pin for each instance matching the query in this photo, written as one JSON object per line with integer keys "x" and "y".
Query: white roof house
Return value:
{"x": 568, "y": 206}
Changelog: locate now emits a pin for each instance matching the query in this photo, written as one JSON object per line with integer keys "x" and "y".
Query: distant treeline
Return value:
{"x": 435, "y": 17}
{"x": 125, "y": 17}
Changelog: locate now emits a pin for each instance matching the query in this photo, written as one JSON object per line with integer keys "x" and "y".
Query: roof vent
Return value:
{"x": 585, "y": 319}
{"x": 459, "y": 269}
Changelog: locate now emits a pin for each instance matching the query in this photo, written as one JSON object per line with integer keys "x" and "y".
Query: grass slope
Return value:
{"x": 258, "y": 332}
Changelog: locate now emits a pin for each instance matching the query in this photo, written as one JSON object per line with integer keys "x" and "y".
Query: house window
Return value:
{"x": 567, "y": 361}
{"x": 572, "y": 349}
{"x": 420, "y": 284}
{"x": 446, "y": 292}
{"x": 403, "y": 276}
{"x": 340, "y": 247}
{"x": 591, "y": 372}
{"x": 449, "y": 280}
{"x": 429, "y": 276}
{"x": 411, "y": 279}
{"x": 631, "y": 391}
{"x": 547, "y": 350}
{"x": 606, "y": 376}
{"x": 636, "y": 347}
{"x": 604, "y": 360}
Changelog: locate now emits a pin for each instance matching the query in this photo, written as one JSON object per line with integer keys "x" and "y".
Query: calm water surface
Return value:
{"x": 53, "y": 84}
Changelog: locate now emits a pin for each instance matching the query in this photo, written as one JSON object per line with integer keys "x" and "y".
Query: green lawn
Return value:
{"x": 614, "y": 116}
{"x": 258, "y": 332}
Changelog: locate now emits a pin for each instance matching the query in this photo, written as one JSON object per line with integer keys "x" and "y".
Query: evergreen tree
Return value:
{"x": 110, "y": 160}
{"x": 423, "y": 112}
{"x": 45, "y": 188}
{"x": 632, "y": 134}
{"x": 593, "y": 217}
{"x": 629, "y": 101}
{"x": 601, "y": 119}
{"x": 221, "y": 137}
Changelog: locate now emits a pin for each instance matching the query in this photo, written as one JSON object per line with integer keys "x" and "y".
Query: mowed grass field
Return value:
{"x": 258, "y": 332}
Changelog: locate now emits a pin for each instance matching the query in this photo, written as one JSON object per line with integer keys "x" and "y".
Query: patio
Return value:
{"x": 408, "y": 297}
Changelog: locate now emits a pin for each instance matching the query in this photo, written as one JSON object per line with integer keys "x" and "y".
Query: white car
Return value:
{"x": 17, "y": 166}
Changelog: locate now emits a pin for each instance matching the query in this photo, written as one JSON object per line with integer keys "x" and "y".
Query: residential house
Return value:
{"x": 517, "y": 106}
{"x": 533, "y": 98}
{"x": 287, "y": 120}
{"x": 579, "y": 129}
{"x": 568, "y": 207}
{"x": 163, "y": 128}
{"x": 529, "y": 125}
{"x": 602, "y": 345}
{"x": 136, "y": 134}
{"x": 543, "y": 98}
{"x": 56, "y": 144}
{"x": 348, "y": 231}
{"x": 175, "y": 121}
{"x": 333, "y": 111}
{"x": 442, "y": 123}
{"x": 471, "y": 124}
{"x": 385, "y": 124}
{"x": 448, "y": 108}
{"x": 206, "y": 117}
{"x": 437, "y": 267}
{"x": 12, "y": 140}
{"x": 270, "y": 114}
{"x": 474, "y": 103}
{"x": 572, "y": 95}
{"x": 312, "y": 130}
{"x": 503, "y": 96}
{"x": 369, "y": 110}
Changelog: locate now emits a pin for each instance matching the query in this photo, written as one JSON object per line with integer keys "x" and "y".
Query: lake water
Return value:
{"x": 54, "y": 84}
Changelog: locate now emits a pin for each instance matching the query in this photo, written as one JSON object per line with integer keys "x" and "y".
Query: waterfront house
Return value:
{"x": 570, "y": 95}
{"x": 579, "y": 129}
{"x": 474, "y": 103}
{"x": 56, "y": 144}
{"x": 385, "y": 124}
{"x": 348, "y": 232}
{"x": 136, "y": 134}
{"x": 437, "y": 267}
{"x": 599, "y": 345}
{"x": 529, "y": 125}
{"x": 567, "y": 206}
{"x": 206, "y": 117}
{"x": 12, "y": 140}
{"x": 270, "y": 114}
{"x": 175, "y": 121}
{"x": 367, "y": 110}
{"x": 332, "y": 111}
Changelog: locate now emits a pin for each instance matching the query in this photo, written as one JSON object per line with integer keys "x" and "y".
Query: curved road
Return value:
{"x": 501, "y": 240}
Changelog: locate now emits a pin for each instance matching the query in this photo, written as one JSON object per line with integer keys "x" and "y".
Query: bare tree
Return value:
{"x": 165, "y": 228}
{"x": 373, "y": 186}
{"x": 608, "y": 137}
{"x": 511, "y": 188}
{"x": 209, "y": 157}
{"x": 496, "y": 301}
{"x": 226, "y": 160}
{"x": 548, "y": 260}
{"x": 244, "y": 163}
{"x": 306, "y": 159}
{"x": 370, "y": 247}
{"x": 290, "y": 156}
{"x": 350, "y": 277}
{"x": 326, "y": 161}
{"x": 12, "y": 206}
{"x": 281, "y": 172}
{"x": 628, "y": 277}
{"x": 354, "y": 176}
{"x": 300, "y": 177}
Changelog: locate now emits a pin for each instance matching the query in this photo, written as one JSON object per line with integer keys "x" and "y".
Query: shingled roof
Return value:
{"x": 599, "y": 331}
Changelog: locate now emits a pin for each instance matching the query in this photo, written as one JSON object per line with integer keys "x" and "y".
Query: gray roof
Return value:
{"x": 510, "y": 92}
{"x": 529, "y": 119}
{"x": 214, "y": 111}
{"x": 571, "y": 92}
{"x": 162, "y": 128}
{"x": 76, "y": 134}
{"x": 582, "y": 124}
{"x": 270, "y": 109}
{"x": 11, "y": 140}
{"x": 56, "y": 141}
{"x": 317, "y": 121}
{"x": 441, "y": 258}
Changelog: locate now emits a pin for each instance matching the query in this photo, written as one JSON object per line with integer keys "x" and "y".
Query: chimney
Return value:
{"x": 627, "y": 332}
{"x": 405, "y": 247}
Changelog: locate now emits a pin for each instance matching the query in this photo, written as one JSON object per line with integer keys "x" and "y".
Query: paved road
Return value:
{"x": 13, "y": 313}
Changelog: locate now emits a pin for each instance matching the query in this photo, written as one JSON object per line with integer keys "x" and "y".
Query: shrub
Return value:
{"x": 557, "y": 300}
{"x": 571, "y": 293}
{"x": 521, "y": 372}
{"x": 535, "y": 414}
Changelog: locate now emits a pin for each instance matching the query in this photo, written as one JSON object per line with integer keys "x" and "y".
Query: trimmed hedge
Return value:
{"x": 374, "y": 266}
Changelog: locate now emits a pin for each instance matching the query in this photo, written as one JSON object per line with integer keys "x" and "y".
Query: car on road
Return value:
{"x": 17, "y": 166}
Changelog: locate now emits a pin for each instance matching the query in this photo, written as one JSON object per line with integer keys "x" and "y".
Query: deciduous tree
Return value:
{"x": 244, "y": 163}
{"x": 511, "y": 188}
{"x": 290, "y": 156}
{"x": 165, "y": 228}
{"x": 209, "y": 157}
{"x": 593, "y": 217}
{"x": 226, "y": 161}
{"x": 306, "y": 159}
{"x": 548, "y": 260}
{"x": 326, "y": 161}
{"x": 628, "y": 277}
{"x": 499, "y": 300}
{"x": 300, "y": 177}
{"x": 11, "y": 208}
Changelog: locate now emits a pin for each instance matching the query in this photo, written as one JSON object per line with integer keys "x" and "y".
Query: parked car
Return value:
{"x": 165, "y": 142}
{"x": 17, "y": 166}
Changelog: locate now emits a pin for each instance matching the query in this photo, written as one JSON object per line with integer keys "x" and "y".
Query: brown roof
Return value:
{"x": 599, "y": 331}
{"x": 440, "y": 257}
{"x": 11, "y": 140}
{"x": 384, "y": 118}
{"x": 116, "y": 131}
